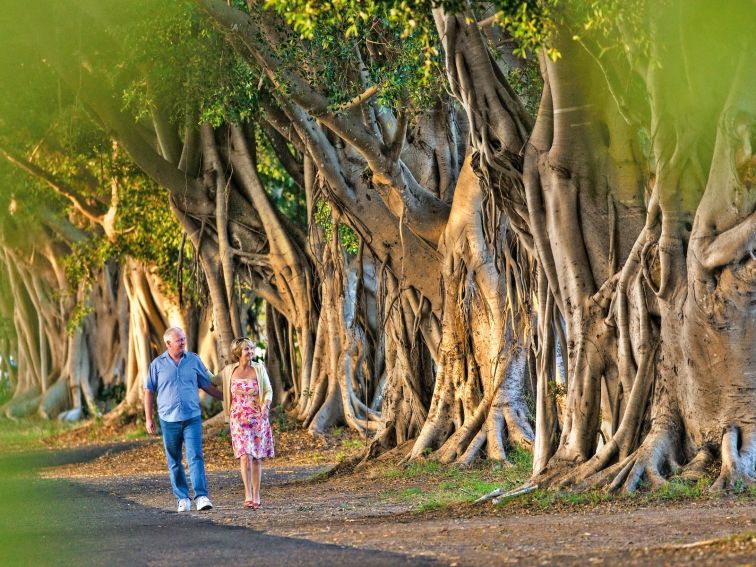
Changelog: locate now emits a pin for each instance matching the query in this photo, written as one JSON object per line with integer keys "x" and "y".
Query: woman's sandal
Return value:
{"x": 256, "y": 506}
{"x": 249, "y": 504}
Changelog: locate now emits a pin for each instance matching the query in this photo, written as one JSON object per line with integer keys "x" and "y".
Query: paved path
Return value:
{"x": 56, "y": 522}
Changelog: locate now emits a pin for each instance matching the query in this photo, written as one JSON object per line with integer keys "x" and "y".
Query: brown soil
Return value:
{"x": 364, "y": 508}
{"x": 292, "y": 447}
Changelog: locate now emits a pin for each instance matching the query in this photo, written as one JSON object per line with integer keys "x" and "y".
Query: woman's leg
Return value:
{"x": 256, "y": 479}
{"x": 250, "y": 476}
{"x": 244, "y": 468}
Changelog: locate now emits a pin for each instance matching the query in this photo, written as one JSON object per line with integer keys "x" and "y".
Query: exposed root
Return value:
{"x": 558, "y": 472}
{"x": 698, "y": 465}
{"x": 738, "y": 465}
{"x": 654, "y": 458}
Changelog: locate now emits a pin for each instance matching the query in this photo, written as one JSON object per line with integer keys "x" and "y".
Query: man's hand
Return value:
{"x": 149, "y": 424}
{"x": 214, "y": 391}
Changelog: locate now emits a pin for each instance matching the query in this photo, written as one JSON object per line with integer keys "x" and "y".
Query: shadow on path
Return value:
{"x": 56, "y": 522}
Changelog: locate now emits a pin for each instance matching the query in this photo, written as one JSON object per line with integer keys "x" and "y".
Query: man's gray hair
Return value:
{"x": 171, "y": 331}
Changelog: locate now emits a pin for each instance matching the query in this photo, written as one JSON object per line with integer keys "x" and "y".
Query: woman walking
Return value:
{"x": 247, "y": 395}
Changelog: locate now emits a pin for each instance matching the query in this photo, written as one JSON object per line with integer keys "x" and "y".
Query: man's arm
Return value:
{"x": 149, "y": 423}
{"x": 213, "y": 390}
{"x": 205, "y": 381}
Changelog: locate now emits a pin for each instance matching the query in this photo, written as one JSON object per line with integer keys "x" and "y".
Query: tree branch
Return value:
{"x": 244, "y": 30}
{"x": 60, "y": 187}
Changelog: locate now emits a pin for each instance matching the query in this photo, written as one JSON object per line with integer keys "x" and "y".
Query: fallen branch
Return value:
{"x": 499, "y": 494}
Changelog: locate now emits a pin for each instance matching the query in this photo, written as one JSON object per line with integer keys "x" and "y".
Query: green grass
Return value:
{"x": 432, "y": 486}
{"x": 28, "y": 433}
{"x": 353, "y": 444}
{"x": 445, "y": 485}
{"x": 138, "y": 433}
{"x": 675, "y": 490}
{"x": 544, "y": 499}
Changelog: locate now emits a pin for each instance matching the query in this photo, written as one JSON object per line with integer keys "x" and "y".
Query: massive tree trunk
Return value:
{"x": 651, "y": 274}
{"x": 479, "y": 392}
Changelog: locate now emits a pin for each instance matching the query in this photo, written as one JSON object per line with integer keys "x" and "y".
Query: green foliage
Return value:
{"x": 77, "y": 316}
{"x": 85, "y": 258}
{"x": 212, "y": 409}
{"x": 674, "y": 490}
{"x": 353, "y": 443}
{"x": 287, "y": 196}
{"x": 224, "y": 434}
{"x": 187, "y": 68}
{"x": 397, "y": 46}
{"x": 138, "y": 432}
{"x": 526, "y": 81}
{"x": 530, "y": 23}
{"x": 679, "y": 489}
{"x": 615, "y": 25}
{"x": 556, "y": 389}
{"x": 148, "y": 231}
{"x": 348, "y": 238}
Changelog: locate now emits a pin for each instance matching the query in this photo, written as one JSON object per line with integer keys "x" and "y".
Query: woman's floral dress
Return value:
{"x": 250, "y": 428}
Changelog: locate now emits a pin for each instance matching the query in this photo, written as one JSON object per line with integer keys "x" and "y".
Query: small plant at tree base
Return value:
{"x": 111, "y": 395}
{"x": 224, "y": 434}
{"x": 215, "y": 407}
{"x": 279, "y": 418}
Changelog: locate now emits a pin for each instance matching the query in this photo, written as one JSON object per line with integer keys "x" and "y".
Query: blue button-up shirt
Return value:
{"x": 177, "y": 385}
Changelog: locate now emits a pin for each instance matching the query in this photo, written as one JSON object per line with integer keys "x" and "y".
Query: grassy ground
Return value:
{"x": 27, "y": 503}
{"x": 29, "y": 433}
{"x": 432, "y": 485}
{"x": 428, "y": 485}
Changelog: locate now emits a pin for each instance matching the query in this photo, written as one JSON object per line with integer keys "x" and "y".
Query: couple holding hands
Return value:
{"x": 174, "y": 379}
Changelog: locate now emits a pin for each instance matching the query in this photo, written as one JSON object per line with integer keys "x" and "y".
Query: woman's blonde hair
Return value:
{"x": 237, "y": 345}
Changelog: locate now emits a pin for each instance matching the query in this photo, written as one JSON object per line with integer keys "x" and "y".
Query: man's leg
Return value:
{"x": 173, "y": 439}
{"x": 193, "y": 438}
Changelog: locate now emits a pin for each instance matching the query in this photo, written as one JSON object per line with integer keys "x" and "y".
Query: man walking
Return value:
{"x": 176, "y": 376}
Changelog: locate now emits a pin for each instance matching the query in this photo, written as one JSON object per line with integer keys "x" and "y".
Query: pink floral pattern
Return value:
{"x": 250, "y": 429}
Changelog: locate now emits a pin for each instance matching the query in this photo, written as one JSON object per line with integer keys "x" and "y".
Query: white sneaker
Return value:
{"x": 184, "y": 505}
{"x": 203, "y": 503}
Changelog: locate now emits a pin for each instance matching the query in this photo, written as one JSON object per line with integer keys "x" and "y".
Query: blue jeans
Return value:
{"x": 175, "y": 433}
